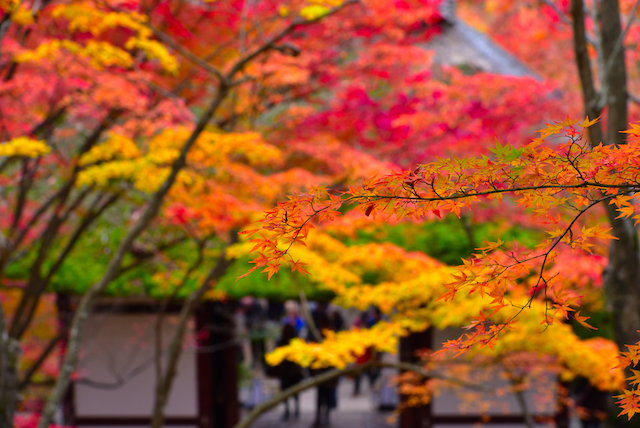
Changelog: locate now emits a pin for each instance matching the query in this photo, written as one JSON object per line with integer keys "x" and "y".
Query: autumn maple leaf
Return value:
{"x": 272, "y": 268}
{"x": 297, "y": 266}
{"x": 582, "y": 320}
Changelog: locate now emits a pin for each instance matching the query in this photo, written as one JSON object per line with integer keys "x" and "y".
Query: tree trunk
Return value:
{"x": 9, "y": 392}
{"x": 621, "y": 278}
{"x": 415, "y": 417}
{"x": 165, "y": 381}
{"x": 82, "y": 312}
{"x": 622, "y": 275}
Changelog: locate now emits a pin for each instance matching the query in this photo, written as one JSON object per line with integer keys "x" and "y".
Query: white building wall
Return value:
{"x": 116, "y": 374}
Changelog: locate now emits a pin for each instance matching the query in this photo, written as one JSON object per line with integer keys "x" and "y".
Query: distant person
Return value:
{"x": 292, "y": 316}
{"x": 275, "y": 310}
{"x": 326, "y": 398}
{"x": 256, "y": 318}
{"x": 289, "y": 373}
{"x": 335, "y": 317}
{"x": 367, "y": 320}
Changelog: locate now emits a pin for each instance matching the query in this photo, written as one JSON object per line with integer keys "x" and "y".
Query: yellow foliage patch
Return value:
{"x": 24, "y": 146}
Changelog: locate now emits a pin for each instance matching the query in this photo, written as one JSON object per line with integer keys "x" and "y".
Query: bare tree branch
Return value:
{"x": 163, "y": 307}
{"x": 285, "y": 32}
{"x": 175, "y": 346}
{"x": 96, "y": 211}
{"x": 633, "y": 97}
{"x": 112, "y": 269}
{"x": 187, "y": 54}
{"x": 589, "y": 94}
{"x": 44, "y": 354}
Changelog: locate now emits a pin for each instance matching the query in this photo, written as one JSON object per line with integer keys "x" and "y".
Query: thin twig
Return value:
{"x": 275, "y": 39}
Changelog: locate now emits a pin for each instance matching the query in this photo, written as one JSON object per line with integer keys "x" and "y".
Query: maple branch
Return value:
{"x": 563, "y": 18}
{"x": 24, "y": 185}
{"x": 48, "y": 121}
{"x": 633, "y": 97}
{"x": 275, "y": 39}
{"x": 558, "y": 12}
{"x": 179, "y": 48}
{"x": 187, "y": 53}
{"x": 30, "y": 297}
{"x": 120, "y": 379}
{"x": 545, "y": 255}
{"x": 36, "y": 216}
{"x": 5, "y": 22}
{"x": 540, "y": 279}
{"x": 163, "y": 308}
{"x": 566, "y": 231}
{"x": 175, "y": 349}
{"x": 37, "y": 285}
{"x": 111, "y": 271}
{"x": 94, "y": 213}
{"x": 465, "y": 195}
{"x": 287, "y": 49}
{"x": 55, "y": 221}
{"x": 362, "y": 199}
{"x": 583, "y": 62}
{"x": 161, "y": 247}
{"x": 44, "y": 354}
{"x": 36, "y": 7}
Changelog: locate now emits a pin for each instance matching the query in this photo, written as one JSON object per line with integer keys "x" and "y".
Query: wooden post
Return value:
{"x": 561, "y": 417}
{"x": 218, "y": 404}
{"x": 415, "y": 417}
{"x": 65, "y": 313}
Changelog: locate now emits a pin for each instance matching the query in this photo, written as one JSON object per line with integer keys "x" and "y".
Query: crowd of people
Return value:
{"x": 292, "y": 324}
{"x": 264, "y": 321}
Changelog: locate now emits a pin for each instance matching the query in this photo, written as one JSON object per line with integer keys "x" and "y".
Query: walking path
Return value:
{"x": 352, "y": 412}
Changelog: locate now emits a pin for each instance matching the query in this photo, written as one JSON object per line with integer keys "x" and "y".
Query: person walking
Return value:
{"x": 326, "y": 398}
{"x": 366, "y": 320}
{"x": 256, "y": 318}
{"x": 289, "y": 373}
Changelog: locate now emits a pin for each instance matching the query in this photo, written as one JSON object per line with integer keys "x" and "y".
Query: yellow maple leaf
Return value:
{"x": 313, "y": 12}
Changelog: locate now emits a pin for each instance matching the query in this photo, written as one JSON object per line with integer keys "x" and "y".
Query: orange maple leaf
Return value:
{"x": 297, "y": 266}
{"x": 582, "y": 321}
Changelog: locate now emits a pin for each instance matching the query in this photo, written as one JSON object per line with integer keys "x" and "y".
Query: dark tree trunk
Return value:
{"x": 9, "y": 395}
{"x": 415, "y": 417}
{"x": 219, "y": 406}
{"x": 622, "y": 276}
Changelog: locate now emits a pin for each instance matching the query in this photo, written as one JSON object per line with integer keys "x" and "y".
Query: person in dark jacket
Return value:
{"x": 326, "y": 398}
{"x": 289, "y": 373}
{"x": 367, "y": 320}
{"x": 256, "y": 318}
